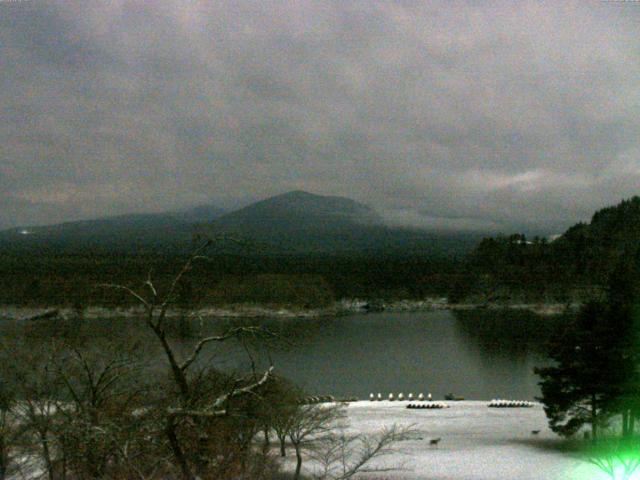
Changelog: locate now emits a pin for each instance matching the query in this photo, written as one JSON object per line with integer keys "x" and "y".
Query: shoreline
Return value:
{"x": 341, "y": 308}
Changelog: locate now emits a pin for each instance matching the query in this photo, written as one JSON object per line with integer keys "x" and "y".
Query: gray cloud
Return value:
{"x": 496, "y": 115}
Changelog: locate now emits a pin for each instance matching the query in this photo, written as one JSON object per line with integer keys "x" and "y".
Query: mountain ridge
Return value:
{"x": 295, "y": 222}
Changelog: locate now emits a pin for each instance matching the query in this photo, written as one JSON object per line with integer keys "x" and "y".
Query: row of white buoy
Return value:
{"x": 391, "y": 397}
{"x": 499, "y": 403}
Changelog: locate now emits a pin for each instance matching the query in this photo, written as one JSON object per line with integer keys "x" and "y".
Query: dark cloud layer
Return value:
{"x": 448, "y": 114}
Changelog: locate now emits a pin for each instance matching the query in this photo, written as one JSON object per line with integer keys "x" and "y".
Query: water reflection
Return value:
{"x": 511, "y": 333}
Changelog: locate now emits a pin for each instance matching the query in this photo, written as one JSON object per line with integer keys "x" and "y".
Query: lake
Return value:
{"x": 475, "y": 354}
{"x": 478, "y": 355}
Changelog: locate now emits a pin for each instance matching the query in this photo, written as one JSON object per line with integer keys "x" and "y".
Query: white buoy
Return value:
{"x": 391, "y": 397}
{"x": 421, "y": 397}
{"x": 410, "y": 397}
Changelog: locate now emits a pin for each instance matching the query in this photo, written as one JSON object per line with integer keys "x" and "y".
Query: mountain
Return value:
{"x": 118, "y": 232}
{"x": 298, "y": 211}
{"x": 200, "y": 214}
{"x": 300, "y": 222}
{"x": 291, "y": 223}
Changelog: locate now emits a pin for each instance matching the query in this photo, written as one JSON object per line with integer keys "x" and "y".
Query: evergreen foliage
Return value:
{"x": 597, "y": 361}
{"x": 576, "y": 266}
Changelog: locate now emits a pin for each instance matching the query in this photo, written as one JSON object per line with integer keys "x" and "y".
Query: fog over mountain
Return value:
{"x": 494, "y": 115}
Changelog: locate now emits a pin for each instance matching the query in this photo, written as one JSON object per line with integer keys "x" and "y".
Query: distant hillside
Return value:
{"x": 597, "y": 246}
{"x": 132, "y": 231}
{"x": 579, "y": 260}
{"x": 294, "y": 223}
{"x": 299, "y": 210}
{"x": 300, "y": 222}
{"x": 200, "y": 214}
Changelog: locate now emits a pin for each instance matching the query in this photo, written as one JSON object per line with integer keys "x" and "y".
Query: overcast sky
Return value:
{"x": 502, "y": 115}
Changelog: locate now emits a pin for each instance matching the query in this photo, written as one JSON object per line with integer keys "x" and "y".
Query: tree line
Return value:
{"x": 310, "y": 281}
{"x": 574, "y": 267}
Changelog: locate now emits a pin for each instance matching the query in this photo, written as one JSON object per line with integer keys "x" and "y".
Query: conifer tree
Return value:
{"x": 575, "y": 391}
{"x": 596, "y": 371}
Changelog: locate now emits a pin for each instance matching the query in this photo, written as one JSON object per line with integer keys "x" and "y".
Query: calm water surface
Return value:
{"x": 478, "y": 355}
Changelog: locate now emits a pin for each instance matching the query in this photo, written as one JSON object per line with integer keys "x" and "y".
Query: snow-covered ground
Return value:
{"x": 477, "y": 443}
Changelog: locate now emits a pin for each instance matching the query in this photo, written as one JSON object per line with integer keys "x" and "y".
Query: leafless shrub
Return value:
{"x": 10, "y": 433}
{"x": 340, "y": 455}
{"x": 310, "y": 425}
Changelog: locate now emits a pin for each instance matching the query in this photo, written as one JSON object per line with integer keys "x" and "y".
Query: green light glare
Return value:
{"x": 587, "y": 471}
{"x": 590, "y": 472}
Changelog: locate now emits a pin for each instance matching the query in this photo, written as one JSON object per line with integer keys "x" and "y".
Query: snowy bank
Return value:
{"x": 343, "y": 307}
{"x": 477, "y": 443}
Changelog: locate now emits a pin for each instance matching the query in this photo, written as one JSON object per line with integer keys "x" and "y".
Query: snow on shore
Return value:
{"x": 477, "y": 443}
{"x": 343, "y": 307}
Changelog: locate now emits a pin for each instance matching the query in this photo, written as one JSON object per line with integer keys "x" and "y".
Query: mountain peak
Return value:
{"x": 298, "y": 193}
{"x": 307, "y": 196}
{"x": 300, "y": 207}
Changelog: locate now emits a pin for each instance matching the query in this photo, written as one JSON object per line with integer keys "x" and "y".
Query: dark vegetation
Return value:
{"x": 596, "y": 371}
{"x": 575, "y": 267}
{"x": 50, "y": 278}
{"x": 74, "y": 412}
{"x": 594, "y": 380}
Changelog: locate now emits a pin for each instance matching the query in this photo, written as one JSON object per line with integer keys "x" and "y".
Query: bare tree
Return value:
{"x": 310, "y": 425}
{"x": 96, "y": 431}
{"x": 341, "y": 456}
{"x": 37, "y": 415}
{"x": 9, "y": 431}
{"x": 27, "y": 396}
{"x": 84, "y": 416}
{"x": 318, "y": 432}
{"x": 281, "y": 404}
{"x": 190, "y": 409}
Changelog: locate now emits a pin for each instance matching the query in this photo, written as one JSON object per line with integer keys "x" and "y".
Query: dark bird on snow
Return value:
{"x": 434, "y": 441}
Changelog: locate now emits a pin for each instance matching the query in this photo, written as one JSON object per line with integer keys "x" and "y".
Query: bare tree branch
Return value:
{"x": 233, "y": 333}
{"x": 217, "y": 408}
{"x": 131, "y": 292}
{"x": 341, "y": 456}
{"x": 149, "y": 284}
{"x": 168, "y": 298}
